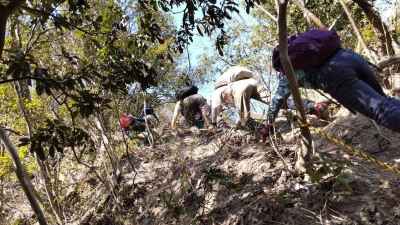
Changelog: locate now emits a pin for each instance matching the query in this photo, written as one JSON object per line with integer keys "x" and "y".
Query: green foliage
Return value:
{"x": 9, "y": 111}
{"x": 369, "y": 35}
{"x": 28, "y": 161}
{"x": 6, "y": 163}
{"x": 56, "y": 136}
{"x": 5, "y": 166}
{"x": 18, "y": 222}
{"x": 80, "y": 56}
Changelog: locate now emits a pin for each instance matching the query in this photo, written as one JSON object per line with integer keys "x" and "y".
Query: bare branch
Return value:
{"x": 357, "y": 31}
{"x": 23, "y": 78}
{"x": 304, "y": 155}
{"x": 266, "y": 12}
{"x": 389, "y": 62}
{"x": 380, "y": 28}
{"x": 310, "y": 15}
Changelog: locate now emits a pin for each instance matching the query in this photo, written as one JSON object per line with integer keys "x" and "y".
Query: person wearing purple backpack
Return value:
{"x": 321, "y": 63}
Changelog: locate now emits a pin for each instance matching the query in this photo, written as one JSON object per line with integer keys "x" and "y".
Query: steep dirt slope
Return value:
{"x": 193, "y": 177}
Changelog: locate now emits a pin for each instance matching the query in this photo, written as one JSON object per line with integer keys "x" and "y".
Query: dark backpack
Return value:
{"x": 308, "y": 49}
{"x": 186, "y": 92}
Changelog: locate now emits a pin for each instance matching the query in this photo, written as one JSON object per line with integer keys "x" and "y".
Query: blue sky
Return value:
{"x": 205, "y": 45}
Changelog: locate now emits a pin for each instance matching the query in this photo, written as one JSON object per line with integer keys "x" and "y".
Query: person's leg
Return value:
{"x": 340, "y": 76}
{"x": 245, "y": 104}
{"x": 242, "y": 92}
{"x": 205, "y": 112}
{"x": 361, "y": 97}
{"x": 366, "y": 74}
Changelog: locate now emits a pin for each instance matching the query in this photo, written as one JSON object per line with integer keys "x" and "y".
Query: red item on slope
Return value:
{"x": 125, "y": 120}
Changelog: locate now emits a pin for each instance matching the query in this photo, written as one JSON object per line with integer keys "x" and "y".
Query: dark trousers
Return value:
{"x": 348, "y": 78}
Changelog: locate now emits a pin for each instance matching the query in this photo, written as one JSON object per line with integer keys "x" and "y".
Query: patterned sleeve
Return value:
{"x": 280, "y": 95}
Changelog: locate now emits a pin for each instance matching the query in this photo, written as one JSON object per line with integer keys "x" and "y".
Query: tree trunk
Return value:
{"x": 304, "y": 155}
{"x": 380, "y": 28}
{"x": 23, "y": 94}
{"x": 21, "y": 174}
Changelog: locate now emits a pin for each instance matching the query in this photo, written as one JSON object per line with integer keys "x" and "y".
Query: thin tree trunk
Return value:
{"x": 380, "y": 28}
{"x": 304, "y": 155}
{"x": 21, "y": 174}
{"x": 23, "y": 93}
{"x": 47, "y": 180}
{"x": 370, "y": 54}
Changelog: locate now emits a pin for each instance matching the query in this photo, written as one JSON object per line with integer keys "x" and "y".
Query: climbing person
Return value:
{"x": 136, "y": 126}
{"x": 192, "y": 106}
{"x": 235, "y": 88}
{"x": 321, "y": 63}
{"x": 318, "y": 109}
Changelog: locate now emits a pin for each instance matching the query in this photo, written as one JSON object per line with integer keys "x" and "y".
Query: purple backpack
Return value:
{"x": 309, "y": 49}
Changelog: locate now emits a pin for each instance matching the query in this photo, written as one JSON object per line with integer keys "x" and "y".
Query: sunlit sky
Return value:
{"x": 206, "y": 45}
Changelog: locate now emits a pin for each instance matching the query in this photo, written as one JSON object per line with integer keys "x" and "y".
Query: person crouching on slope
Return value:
{"x": 344, "y": 74}
{"x": 318, "y": 109}
{"x": 236, "y": 87}
{"x": 193, "y": 107}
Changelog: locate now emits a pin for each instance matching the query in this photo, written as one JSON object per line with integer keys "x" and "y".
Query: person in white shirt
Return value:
{"x": 235, "y": 88}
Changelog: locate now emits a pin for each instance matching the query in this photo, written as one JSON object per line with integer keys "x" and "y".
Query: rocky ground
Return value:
{"x": 193, "y": 177}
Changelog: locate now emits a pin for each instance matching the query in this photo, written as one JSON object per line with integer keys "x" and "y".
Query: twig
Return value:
{"x": 380, "y": 131}
{"x": 11, "y": 130}
{"x": 274, "y": 147}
